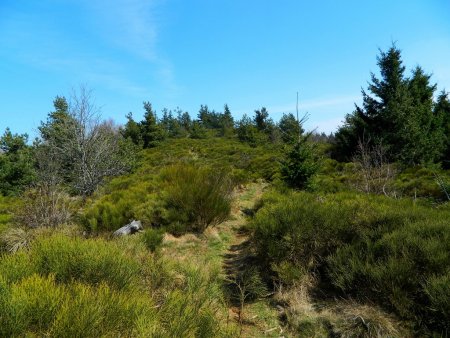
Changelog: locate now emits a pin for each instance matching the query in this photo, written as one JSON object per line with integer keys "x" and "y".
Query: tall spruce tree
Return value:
{"x": 152, "y": 132}
{"x": 132, "y": 130}
{"x": 227, "y": 122}
{"x": 290, "y": 128}
{"x": 16, "y": 163}
{"x": 396, "y": 112}
{"x": 422, "y": 136}
{"x": 261, "y": 119}
{"x": 442, "y": 111}
{"x": 55, "y": 164}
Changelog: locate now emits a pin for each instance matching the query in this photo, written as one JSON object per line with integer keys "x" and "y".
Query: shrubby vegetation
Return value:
{"x": 196, "y": 197}
{"x": 391, "y": 252}
{"x": 367, "y": 238}
{"x": 182, "y": 185}
{"x": 68, "y": 286}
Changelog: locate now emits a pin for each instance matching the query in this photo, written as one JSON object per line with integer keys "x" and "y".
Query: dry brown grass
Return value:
{"x": 15, "y": 239}
{"x": 341, "y": 318}
{"x": 359, "y": 320}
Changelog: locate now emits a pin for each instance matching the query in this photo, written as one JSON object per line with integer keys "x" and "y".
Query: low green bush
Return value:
{"x": 403, "y": 269}
{"x": 113, "y": 210}
{"x": 196, "y": 197}
{"x": 422, "y": 182}
{"x": 73, "y": 287}
{"x": 145, "y": 194}
{"x": 91, "y": 261}
{"x": 40, "y": 305}
{"x": 8, "y": 205}
{"x": 153, "y": 238}
{"x": 393, "y": 252}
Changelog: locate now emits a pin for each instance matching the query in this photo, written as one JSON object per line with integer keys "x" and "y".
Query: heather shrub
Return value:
{"x": 46, "y": 206}
{"x": 304, "y": 228}
{"x": 422, "y": 182}
{"x": 393, "y": 252}
{"x": 41, "y": 306}
{"x": 153, "y": 238}
{"x": 403, "y": 270}
{"x": 196, "y": 197}
{"x": 112, "y": 211}
{"x": 91, "y": 261}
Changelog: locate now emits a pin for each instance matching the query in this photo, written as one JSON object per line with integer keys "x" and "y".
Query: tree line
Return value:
{"x": 254, "y": 130}
{"x": 401, "y": 115}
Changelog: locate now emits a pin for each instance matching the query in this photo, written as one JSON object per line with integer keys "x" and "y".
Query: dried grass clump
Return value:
{"x": 307, "y": 318}
{"x": 15, "y": 239}
{"x": 358, "y": 320}
{"x": 46, "y": 206}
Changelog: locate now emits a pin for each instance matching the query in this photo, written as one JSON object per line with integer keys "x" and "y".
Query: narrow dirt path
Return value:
{"x": 226, "y": 247}
{"x": 257, "y": 318}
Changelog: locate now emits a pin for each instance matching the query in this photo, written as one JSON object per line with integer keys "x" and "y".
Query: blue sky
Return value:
{"x": 245, "y": 53}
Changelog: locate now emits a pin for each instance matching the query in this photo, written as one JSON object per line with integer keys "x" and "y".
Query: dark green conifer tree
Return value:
{"x": 300, "y": 163}
{"x": 442, "y": 111}
{"x": 227, "y": 122}
{"x": 397, "y": 112}
{"x": 261, "y": 119}
{"x": 132, "y": 131}
{"x": 247, "y": 131}
{"x": 290, "y": 128}
{"x": 184, "y": 120}
{"x": 16, "y": 163}
{"x": 152, "y": 131}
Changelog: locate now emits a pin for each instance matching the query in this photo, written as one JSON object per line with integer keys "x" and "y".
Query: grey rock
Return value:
{"x": 129, "y": 229}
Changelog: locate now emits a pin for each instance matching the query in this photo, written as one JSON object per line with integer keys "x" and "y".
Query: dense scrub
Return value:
{"x": 65, "y": 286}
{"x": 196, "y": 197}
{"x": 184, "y": 185}
{"x": 416, "y": 182}
{"x": 365, "y": 248}
{"x": 393, "y": 252}
{"x": 7, "y": 207}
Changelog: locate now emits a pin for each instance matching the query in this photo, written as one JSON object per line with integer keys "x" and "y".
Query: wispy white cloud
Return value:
{"x": 326, "y": 126}
{"x": 129, "y": 24}
{"x": 122, "y": 36}
{"x": 315, "y": 104}
{"x": 324, "y": 114}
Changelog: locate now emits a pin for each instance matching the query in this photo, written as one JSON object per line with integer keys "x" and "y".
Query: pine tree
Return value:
{"x": 247, "y": 131}
{"x": 16, "y": 163}
{"x": 422, "y": 134}
{"x": 152, "y": 132}
{"x": 290, "y": 128}
{"x": 198, "y": 131}
{"x": 442, "y": 111}
{"x": 55, "y": 163}
{"x": 227, "y": 122}
{"x": 132, "y": 130}
{"x": 261, "y": 119}
{"x": 300, "y": 163}
{"x": 184, "y": 120}
{"x": 397, "y": 112}
{"x": 57, "y": 121}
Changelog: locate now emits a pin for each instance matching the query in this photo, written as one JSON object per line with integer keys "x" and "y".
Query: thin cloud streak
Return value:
{"x": 315, "y": 103}
{"x": 127, "y": 28}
